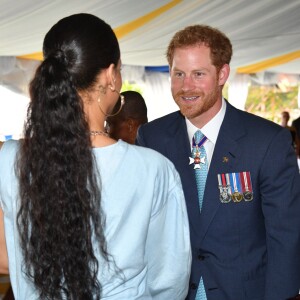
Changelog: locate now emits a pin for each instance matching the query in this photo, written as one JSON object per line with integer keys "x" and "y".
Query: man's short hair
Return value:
{"x": 219, "y": 44}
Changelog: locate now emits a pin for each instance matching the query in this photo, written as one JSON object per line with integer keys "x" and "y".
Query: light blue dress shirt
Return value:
{"x": 146, "y": 224}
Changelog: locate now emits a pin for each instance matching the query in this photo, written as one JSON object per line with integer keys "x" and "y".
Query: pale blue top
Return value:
{"x": 147, "y": 225}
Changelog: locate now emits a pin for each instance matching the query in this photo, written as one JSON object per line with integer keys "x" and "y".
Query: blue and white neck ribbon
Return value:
{"x": 197, "y": 160}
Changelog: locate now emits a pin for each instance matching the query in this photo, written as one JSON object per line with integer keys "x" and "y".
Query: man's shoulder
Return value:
{"x": 155, "y": 132}
{"x": 240, "y": 122}
{"x": 247, "y": 118}
{"x": 167, "y": 118}
{"x": 164, "y": 122}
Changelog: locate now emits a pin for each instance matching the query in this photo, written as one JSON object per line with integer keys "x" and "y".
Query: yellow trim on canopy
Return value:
{"x": 123, "y": 30}
{"x": 35, "y": 56}
{"x": 272, "y": 62}
{"x": 133, "y": 25}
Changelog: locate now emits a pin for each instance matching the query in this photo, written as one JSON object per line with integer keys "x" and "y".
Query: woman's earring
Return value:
{"x": 111, "y": 88}
{"x": 99, "y": 99}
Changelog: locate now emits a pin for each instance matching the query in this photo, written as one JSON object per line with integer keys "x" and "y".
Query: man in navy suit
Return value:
{"x": 246, "y": 238}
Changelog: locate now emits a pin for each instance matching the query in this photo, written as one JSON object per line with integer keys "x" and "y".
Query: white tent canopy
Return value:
{"x": 265, "y": 35}
{"x": 258, "y": 29}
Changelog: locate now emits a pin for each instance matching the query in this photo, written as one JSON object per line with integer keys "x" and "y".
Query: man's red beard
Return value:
{"x": 195, "y": 106}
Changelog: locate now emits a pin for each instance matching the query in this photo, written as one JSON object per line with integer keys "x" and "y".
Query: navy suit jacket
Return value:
{"x": 245, "y": 250}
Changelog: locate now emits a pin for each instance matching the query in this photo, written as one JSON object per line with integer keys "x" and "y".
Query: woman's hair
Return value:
{"x": 219, "y": 44}
{"x": 60, "y": 209}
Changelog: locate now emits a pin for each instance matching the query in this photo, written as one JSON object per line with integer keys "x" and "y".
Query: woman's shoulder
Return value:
{"x": 8, "y": 150}
{"x": 147, "y": 155}
{"x": 9, "y": 146}
{"x": 151, "y": 161}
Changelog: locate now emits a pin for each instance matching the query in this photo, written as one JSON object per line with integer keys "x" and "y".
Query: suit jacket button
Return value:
{"x": 201, "y": 257}
{"x": 193, "y": 286}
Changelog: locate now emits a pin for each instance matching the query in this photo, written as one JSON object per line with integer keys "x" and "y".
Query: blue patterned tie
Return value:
{"x": 201, "y": 169}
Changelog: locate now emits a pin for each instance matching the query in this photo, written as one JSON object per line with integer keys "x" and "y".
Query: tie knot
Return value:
{"x": 198, "y": 136}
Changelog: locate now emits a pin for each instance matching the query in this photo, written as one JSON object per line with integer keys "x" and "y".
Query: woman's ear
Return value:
{"x": 111, "y": 76}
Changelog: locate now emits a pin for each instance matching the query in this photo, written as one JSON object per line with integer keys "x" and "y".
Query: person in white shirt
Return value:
{"x": 239, "y": 174}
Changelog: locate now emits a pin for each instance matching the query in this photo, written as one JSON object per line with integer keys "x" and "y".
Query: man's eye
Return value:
{"x": 179, "y": 74}
{"x": 199, "y": 74}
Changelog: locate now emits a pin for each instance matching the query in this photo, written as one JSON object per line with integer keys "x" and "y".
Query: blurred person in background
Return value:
{"x": 124, "y": 125}
{"x": 285, "y": 117}
{"x": 296, "y": 125}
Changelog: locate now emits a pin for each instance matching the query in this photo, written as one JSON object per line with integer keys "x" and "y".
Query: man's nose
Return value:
{"x": 187, "y": 84}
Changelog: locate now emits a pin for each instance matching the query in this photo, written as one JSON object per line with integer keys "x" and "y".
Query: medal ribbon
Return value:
{"x": 219, "y": 180}
{"x": 235, "y": 182}
{"x": 228, "y": 183}
{"x": 224, "y": 180}
{"x": 201, "y": 142}
{"x": 246, "y": 181}
{"x": 243, "y": 182}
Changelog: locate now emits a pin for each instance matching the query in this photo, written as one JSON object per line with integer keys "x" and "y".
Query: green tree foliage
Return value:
{"x": 263, "y": 100}
{"x": 269, "y": 101}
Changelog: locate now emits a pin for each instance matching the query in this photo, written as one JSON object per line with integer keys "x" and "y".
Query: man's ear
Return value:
{"x": 224, "y": 74}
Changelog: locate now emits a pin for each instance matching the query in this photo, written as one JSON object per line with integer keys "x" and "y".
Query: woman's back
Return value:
{"x": 85, "y": 216}
{"x": 145, "y": 225}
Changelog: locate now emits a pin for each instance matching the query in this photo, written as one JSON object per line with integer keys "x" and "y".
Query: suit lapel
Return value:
{"x": 179, "y": 151}
{"x": 225, "y": 157}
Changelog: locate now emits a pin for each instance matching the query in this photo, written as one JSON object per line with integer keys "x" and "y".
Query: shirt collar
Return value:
{"x": 210, "y": 129}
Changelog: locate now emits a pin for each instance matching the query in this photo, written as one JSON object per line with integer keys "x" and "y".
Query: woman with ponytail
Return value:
{"x": 84, "y": 216}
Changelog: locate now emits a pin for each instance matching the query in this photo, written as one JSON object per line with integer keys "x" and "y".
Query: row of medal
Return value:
{"x": 235, "y": 187}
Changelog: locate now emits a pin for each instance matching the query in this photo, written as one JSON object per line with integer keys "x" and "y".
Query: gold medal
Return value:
{"x": 237, "y": 197}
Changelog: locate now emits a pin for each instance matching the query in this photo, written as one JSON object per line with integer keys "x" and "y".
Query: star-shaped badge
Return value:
{"x": 197, "y": 161}
{"x": 225, "y": 159}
